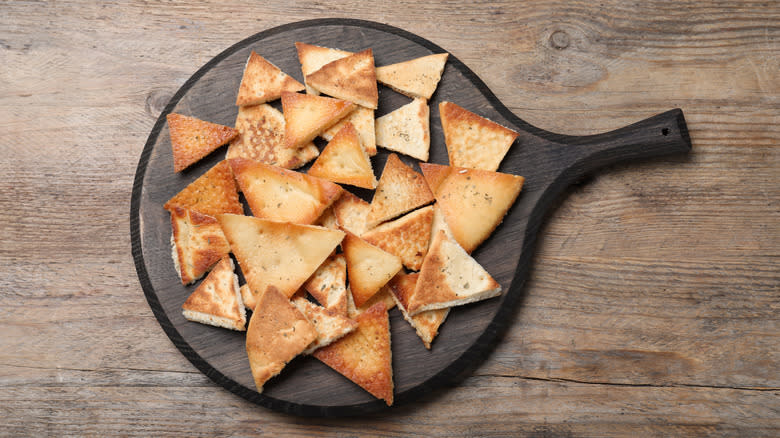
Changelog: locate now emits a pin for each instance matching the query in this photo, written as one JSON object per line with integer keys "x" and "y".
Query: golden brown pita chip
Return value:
{"x": 261, "y": 138}
{"x": 407, "y": 237}
{"x": 193, "y": 139}
{"x": 416, "y": 77}
{"x": 306, "y": 116}
{"x": 283, "y": 195}
{"x": 345, "y": 161}
{"x": 328, "y": 219}
{"x": 278, "y": 254}
{"x": 450, "y": 277}
{"x": 217, "y": 300}
{"x": 351, "y": 212}
{"x": 197, "y": 243}
{"x": 362, "y": 119}
{"x": 472, "y": 201}
{"x": 330, "y": 325}
{"x": 426, "y": 324}
{"x": 473, "y": 141}
{"x": 406, "y": 130}
{"x": 368, "y": 267}
{"x": 263, "y": 82}
{"x": 312, "y": 58}
{"x": 277, "y": 333}
{"x": 328, "y": 284}
{"x": 400, "y": 189}
{"x": 383, "y": 296}
{"x": 364, "y": 356}
{"x": 350, "y": 78}
{"x": 212, "y": 193}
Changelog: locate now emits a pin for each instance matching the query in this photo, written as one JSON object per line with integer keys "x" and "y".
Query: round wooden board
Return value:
{"x": 306, "y": 386}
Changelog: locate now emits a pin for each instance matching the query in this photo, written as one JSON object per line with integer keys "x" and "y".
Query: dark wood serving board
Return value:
{"x": 549, "y": 162}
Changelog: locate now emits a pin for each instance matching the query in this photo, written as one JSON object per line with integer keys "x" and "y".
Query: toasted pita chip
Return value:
{"x": 197, "y": 243}
{"x": 368, "y": 267}
{"x": 328, "y": 219}
{"x": 345, "y": 161}
{"x": 416, "y": 77}
{"x": 193, "y": 139}
{"x": 364, "y": 356}
{"x": 439, "y": 223}
{"x": 277, "y": 333}
{"x": 263, "y": 82}
{"x": 450, "y": 277}
{"x": 473, "y": 141}
{"x": 217, "y": 300}
{"x": 406, "y": 130}
{"x": 384, "y": 296}
{"x": 426, "y": 324}
{"x": 351, "y": 78}
{"x": 351, "y": 213}
{"x": 279, "y": 254}
{"x": 306, "y": 116}
{"x": 261, "y": 138}
{"x": 363, "y": 120}
{"x": 472, "y": 201}
{"x": 400, "y": 189}
{"x": 330, "y": 325}
{"x": 248, "y": 297}
{"x": 212, "y": 193}
{"x": 283, "y": 195}
{"x": 407, "y": 237}
{"x": 328, "y": 284}
{"x": 312, "y": 58}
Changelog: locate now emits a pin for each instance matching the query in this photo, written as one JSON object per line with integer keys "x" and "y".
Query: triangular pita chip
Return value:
{"x": 472, "y": 201}
{"x": 450, "y": 277}
{"x": 368, "y": 267}
{"x": 312, "y": 58}
{"x": 212, "y": 193}
{"x": 345, "y": 161}
{"x": 426, "y": 324}
{"x": 364, "y": 356}
{"x": 217, "y": 300}
{"x": 416, "y": 77}
{"x": 407, "y": 237}
{"x": 351, "y": 213}
{"x": 193, "y": 139}
{"x": 330, "y": 325}
{"x": 362, "y": 119}
{"x": 328, "y": 284}
{"x": 261, "y": 138}
{"x": 306, "y": 116}
{"x": 283, "y": 195}
{"x": 278, "y": 254}
{"x": 350, "y": 78}
{"x": 406, "y": 130}
{"x": 277, "y": 333}
{"x": 263, "y": 82}
{"x": 197, "y": 243}
{"x": 400, "y": 189}
{"x": 383, "y": 296}
{"x": 473, "y": 141}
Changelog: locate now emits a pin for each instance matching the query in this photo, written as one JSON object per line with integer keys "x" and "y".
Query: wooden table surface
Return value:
{"x": 653, "y": 303}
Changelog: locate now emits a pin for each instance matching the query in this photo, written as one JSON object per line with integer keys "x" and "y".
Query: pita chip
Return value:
{"x": 328, "y": 284}
{"x": 217, "y": 300}
{"x": 472, "y": 201}
{"x": 427, "y": 323}
{"x": 212, "y": 193}
{"x": 193, "y": 139}
{"x": 312, "y": 58}
{"x": 277, "y": 332}
{"x": 368, "y": 267}
{"x": 362, "y": 119}
{"x": 400, "y": 189}
{"x": 345, "y": 161}
{"x": 473, "y": 141}
{"x": 261, "y": 138}
{"x": 283, "y": 195}
{"x": 384, "y": 296}
{"x": 351, "y": 78}
{"x": 263, "y": 82}
{"x": 279, "y": 254}
{"x": 416, "y": 77}
{"x": 407, "y": 237}
{"x": 364, "y": 356}
{"x": 330, "y": 325}
{"x": 306, "y": 116}
{"x": 406, "y": 130}
{"x": 328, "y": 219}
{"x": 351, "y": 213}
{"x": 197, "y": 243}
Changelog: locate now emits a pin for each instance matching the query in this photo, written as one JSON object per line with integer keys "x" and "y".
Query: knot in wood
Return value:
{"x": 559, "y": 39}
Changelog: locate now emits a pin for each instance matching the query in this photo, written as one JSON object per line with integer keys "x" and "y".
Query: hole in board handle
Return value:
{"x": 665, "y": 131}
